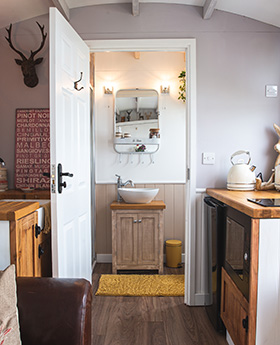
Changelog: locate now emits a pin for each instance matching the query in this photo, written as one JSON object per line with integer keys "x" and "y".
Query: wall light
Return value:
{"x": 164, "y": 88}
{"x": 108, "y": 89}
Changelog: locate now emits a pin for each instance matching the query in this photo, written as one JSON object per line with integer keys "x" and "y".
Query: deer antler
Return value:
{"x": 44, "y": 36}
{"x": 11, "y": 44}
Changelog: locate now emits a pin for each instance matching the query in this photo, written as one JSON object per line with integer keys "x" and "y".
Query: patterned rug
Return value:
{"x": 140, "y": 285}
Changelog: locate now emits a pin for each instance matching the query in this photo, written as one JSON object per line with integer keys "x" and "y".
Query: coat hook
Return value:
{"x": 76, "y": 83}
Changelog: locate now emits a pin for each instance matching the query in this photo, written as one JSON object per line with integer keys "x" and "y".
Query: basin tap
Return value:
{"x": 121, "y": 184}
{"x": 128, "y": 182}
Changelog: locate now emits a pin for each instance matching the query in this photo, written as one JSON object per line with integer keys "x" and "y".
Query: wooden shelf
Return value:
{"x": 137, "y": 122}
{"x": 19, "y": 194}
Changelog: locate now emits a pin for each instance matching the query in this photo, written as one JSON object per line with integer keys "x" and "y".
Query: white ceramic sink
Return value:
{"x": 138, "y": 195}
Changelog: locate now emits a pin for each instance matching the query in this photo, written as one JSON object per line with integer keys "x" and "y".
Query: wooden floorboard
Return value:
{"x": 148, "y": 320}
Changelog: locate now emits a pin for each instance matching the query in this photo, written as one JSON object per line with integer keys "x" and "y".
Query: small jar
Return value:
{"x": 154, "y": 133}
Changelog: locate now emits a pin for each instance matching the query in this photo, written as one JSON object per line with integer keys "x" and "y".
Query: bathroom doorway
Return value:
{"x": 187, "y": 47}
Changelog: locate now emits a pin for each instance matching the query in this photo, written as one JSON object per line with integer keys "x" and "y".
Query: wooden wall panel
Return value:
{"x": 174, "y": 215}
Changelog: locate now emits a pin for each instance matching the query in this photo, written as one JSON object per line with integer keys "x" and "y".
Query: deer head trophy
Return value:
{"x": 28, "y": 65}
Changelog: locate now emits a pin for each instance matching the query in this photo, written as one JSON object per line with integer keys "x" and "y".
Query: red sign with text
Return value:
{"x": 32, "y": 148}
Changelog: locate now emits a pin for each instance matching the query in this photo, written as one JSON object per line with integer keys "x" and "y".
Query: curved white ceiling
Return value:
{"x": 267, "y": 11}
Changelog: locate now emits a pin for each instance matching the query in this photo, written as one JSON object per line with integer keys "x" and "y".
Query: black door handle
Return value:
{"x": 37, "y": 230}
{"x": 67, "y": 174}
{"x": 59, "y": 176}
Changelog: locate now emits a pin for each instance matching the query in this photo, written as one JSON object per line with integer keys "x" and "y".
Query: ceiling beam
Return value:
{"x": 135, "y": 7}
{"x": 208, "y": 8}
{"x": 62, "y": 7}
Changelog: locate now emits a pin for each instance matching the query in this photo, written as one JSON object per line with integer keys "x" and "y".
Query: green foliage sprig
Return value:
{"x": 182, "y": 86}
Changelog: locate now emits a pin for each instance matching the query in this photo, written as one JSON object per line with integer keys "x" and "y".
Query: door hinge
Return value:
{"x": 188, "y": 174}
{"x": 53, "y": 175}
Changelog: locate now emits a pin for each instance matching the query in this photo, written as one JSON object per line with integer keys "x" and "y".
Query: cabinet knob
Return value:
{"x": 245, "y": 324}
{"x": 37, "y": 230}
{"x": 135, "y": 221}
{"x": 140, "y": 221}
{"x": 40, "y": 251}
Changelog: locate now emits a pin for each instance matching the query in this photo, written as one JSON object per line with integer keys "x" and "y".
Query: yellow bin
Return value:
{"x": 173, "y": 253}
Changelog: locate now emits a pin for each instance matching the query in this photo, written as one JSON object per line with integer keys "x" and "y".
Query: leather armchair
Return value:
{"x": 54, "y": 311}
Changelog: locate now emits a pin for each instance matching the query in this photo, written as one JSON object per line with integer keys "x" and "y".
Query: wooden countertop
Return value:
{"x": 238, "y": 200}
{"x": 153, "y": 205}
{"x": 14, "y": 210}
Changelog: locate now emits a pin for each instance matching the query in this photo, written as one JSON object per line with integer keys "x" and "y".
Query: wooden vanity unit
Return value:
{"x": 20, "y": 244}
{"x": 137, "y": 236}
{"x": 256, "y": 319}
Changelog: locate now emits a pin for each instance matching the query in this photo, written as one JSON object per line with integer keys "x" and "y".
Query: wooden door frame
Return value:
{"x": 189, "y": 47}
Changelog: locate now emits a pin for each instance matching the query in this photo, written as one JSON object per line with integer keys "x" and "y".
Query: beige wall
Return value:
{"x": 174, "y": 215}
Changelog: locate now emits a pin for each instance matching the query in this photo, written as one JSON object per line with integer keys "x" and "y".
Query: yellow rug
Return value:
{"x": 140, "y": 285}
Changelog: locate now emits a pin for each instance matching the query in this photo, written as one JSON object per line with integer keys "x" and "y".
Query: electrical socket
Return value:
{"x": 208, "y": 158}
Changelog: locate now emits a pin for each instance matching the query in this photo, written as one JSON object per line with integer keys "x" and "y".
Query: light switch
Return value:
{"x": 208, "y": 158}
{"x": 271, "y": 90}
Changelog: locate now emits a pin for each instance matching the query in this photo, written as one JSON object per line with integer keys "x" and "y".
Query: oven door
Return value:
{"x": 237, "y": 252}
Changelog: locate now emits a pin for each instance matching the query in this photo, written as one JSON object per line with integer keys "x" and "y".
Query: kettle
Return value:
{"x": 241, "y": 176}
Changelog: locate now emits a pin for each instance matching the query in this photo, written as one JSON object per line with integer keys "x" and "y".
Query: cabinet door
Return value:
{"x": 148, "y": 236}
{"x": 22, "y": 245}
{"x": 126, "y": 239}
{"x": 42, "y": 256}
{"x": 234, "y": 310}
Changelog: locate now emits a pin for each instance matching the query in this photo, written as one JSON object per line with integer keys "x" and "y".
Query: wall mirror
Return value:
{"x": 136, "y": 121}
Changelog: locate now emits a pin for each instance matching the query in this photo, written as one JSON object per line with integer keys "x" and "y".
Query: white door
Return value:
{"x": 70, "y": 147}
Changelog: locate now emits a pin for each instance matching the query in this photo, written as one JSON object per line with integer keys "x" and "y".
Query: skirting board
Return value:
{"x": 201, "y": 299}
{"x": 93, "y": 265}
{"x": 107, "y": 258}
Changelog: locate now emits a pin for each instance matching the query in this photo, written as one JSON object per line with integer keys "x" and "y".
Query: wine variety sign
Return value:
{"x": 32, "y": 150}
